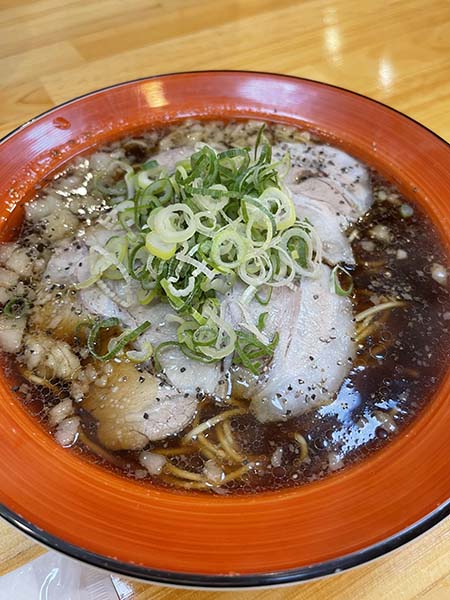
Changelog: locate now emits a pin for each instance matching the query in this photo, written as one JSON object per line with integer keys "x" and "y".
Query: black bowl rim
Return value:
{"x": 205, "y": 581}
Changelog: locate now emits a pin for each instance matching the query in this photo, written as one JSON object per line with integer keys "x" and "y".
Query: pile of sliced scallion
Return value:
{"x": 220, "y": 218}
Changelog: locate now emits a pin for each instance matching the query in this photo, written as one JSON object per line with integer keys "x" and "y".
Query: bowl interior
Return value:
{"x": 190, "y": 538}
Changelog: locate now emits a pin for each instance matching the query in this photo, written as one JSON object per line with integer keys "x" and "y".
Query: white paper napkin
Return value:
{"x": 56, "y": 577}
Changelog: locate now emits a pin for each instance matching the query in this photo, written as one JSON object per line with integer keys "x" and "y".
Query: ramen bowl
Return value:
{"x": 194, "y": 539}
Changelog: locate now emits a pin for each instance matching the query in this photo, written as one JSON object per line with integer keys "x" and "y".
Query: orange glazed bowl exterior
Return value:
{"x": 213, "y": 541}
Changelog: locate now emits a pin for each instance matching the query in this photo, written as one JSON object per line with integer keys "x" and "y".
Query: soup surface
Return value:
{"x": 224, "y": 307}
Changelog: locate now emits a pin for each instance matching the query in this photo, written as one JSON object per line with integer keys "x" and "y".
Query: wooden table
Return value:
{"x": 395, "y": 51}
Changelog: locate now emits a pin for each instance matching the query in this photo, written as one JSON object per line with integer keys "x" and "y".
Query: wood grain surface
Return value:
{"x": 396, "y": 51}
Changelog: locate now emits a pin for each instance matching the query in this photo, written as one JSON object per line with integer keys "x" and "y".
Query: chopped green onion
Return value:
{"x": 280, "y": 205}
{"x": 266, "y": 300}
{"x": 337, "y": 273}
{"x": 205, "y": 335}
{"x": 258, "y": 140}
{"x": 146, "y": 298}
{"x": 228, "y": 250}
{"x": 16, "y": 308}
{"x": 251, "y": 353}
{"x": 190, "y": 233}
{"x": 86, "y": 323}
{"x": 161, "y": 189}
{"x": 176, "y": 302}
{"x": 262, "y": 321}
{"x": 174, "y": 223}
{"x": 119, "y": 343}
{"x": 140, "y": 356}
{"x": 158, "y": 247}
{"x": 118, "y": 249}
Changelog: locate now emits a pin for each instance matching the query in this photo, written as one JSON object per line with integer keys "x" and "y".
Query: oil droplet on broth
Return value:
{"x": 61, "y": 123}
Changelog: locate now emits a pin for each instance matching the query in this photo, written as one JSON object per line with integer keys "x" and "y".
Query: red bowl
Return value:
{"x": 192, "y": 539}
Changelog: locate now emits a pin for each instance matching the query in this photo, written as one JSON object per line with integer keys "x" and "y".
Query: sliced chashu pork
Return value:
{"x": 70, "y": 265}
{"x": 135, "y": 408}
{"x": 316, "y": 200}
{"x": 315, "y": 325}
{"x": 309, "y": 326}
{"x": 331, "y": 189}
{"x": 184, "y": 373}
{"x": 346, "y": 174}
{"x": 313, "y": 354}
